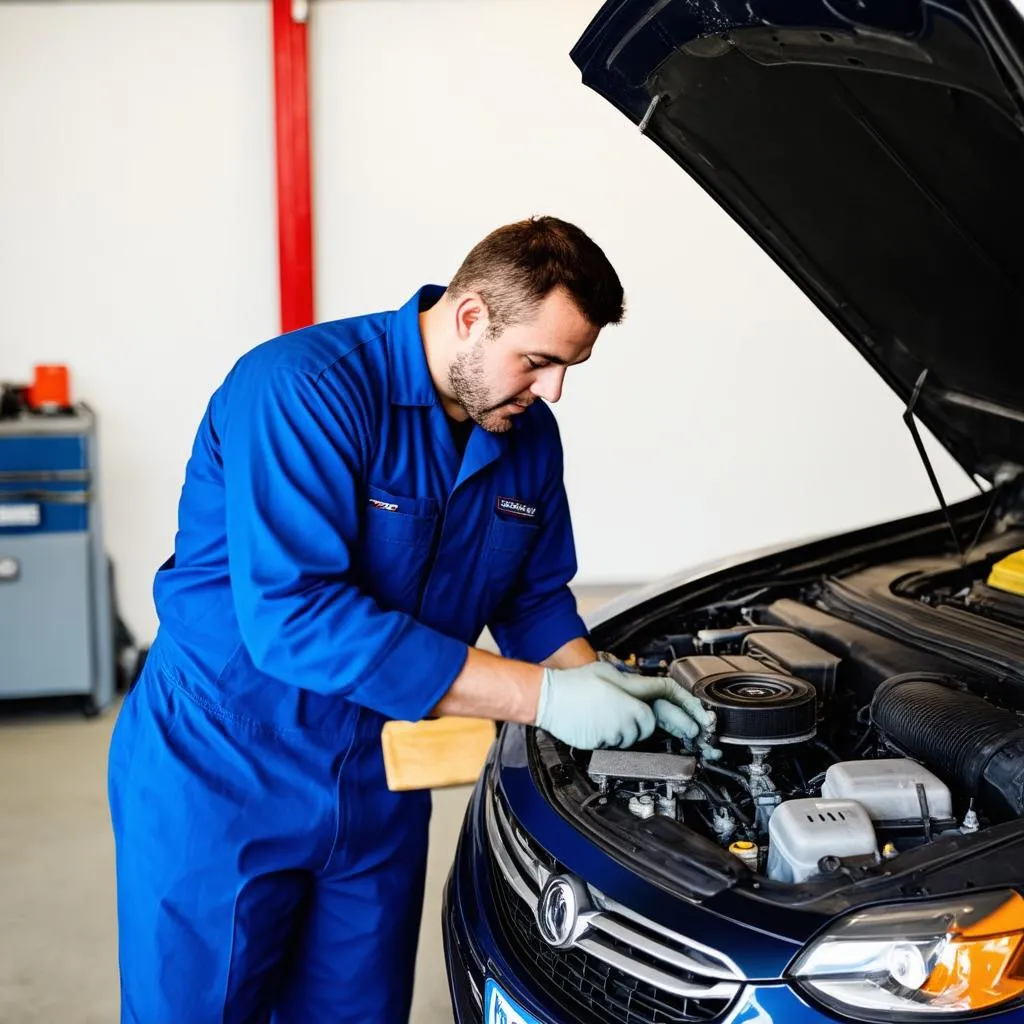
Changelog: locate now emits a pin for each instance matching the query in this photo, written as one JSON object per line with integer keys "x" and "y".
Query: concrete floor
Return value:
{"x": 58, "y": 932}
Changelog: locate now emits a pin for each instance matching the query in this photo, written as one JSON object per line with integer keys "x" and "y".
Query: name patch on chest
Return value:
{"x": 515, "y": 508}
{"x": 384, "y": 506}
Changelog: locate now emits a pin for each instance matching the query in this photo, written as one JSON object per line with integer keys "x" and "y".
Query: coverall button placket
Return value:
{"x": 482, "y": 451}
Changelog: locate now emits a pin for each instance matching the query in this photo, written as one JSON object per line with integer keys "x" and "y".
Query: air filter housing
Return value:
{"x": 755, "y": 707}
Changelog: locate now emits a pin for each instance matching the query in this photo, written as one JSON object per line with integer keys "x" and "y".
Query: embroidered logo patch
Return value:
{"x": 519, "y": 509}
{"x": 384, "y": 506}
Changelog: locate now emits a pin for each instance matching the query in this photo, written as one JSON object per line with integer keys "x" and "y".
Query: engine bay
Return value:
{"x": 837, "y": 748}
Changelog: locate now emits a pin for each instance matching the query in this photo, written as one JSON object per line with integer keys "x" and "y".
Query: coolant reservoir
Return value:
{"x": 887, "y": 789}
{"x": 802, "y": 832}
{"x": 1008, "y": 574}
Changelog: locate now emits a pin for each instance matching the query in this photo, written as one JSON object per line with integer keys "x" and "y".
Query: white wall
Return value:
{"x": 137, "y": 231}
{"x": 726, "y": 412}
{"x": 137, "y": 244}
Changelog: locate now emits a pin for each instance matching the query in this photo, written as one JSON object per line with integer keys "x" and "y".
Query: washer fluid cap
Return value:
{"x": 1008, "y": 574}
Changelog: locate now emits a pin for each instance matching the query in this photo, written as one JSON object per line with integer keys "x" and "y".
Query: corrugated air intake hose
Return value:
{"x": 959, "y": 735}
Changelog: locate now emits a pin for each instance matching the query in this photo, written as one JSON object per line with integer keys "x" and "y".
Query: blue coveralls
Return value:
{"x": 334, "y": 559}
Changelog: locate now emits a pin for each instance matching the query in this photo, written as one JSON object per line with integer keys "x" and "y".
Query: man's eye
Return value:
{"x": 534, "y": 365}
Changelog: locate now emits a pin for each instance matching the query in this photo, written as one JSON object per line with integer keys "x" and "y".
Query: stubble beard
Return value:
{"x": 468, "y": 385}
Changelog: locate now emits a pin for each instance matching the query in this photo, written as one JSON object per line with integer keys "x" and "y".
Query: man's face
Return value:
{"x": 500, "y": 375}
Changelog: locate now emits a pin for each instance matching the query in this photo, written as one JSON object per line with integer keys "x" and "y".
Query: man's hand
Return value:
{"x": 678, "y": 712}
{"x": 585, "y": 703}
{"x": 587, "y": 707}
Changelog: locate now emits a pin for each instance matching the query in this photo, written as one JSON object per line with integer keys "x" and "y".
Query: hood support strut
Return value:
{"x": 908, "y": 418}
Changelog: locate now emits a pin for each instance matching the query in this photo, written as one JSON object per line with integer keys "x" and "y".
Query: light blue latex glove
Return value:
{"x": 587, "y": 707}
{"x": 677, "y": 711}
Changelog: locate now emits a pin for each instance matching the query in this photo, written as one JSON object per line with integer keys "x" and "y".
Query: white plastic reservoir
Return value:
{"x": 887, "y": 789}
{"x": 801, "y": 832}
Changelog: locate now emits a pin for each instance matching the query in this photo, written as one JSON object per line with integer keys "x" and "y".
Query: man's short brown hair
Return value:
{"x": 515, "y": 267}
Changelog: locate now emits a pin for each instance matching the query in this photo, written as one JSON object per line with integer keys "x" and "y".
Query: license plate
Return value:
{"x": 499, "y": 1009}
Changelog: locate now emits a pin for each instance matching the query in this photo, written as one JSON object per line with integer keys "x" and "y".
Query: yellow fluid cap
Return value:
{"x": 1008, "y": 574}
{"x": 889, "y": 850}
{"x": 746, "y": 852}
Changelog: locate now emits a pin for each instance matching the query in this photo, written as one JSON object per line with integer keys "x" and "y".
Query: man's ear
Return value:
{"x": 471, "y": 317}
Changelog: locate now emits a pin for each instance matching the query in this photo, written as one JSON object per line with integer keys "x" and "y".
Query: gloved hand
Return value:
{"x": 587, "y": 707}
{"x": 677, "y": 711}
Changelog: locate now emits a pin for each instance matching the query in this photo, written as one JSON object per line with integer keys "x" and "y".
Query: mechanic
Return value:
{"x": 362, "y": 499}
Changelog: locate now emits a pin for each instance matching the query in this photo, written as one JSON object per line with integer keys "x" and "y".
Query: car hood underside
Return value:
{"x": 875, "y": 150}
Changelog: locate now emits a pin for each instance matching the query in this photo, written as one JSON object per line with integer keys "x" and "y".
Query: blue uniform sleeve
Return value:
{"x": 291, "y": 471}
{"x": 540, "y": 615}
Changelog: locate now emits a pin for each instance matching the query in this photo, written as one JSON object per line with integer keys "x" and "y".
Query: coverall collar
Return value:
{"x": 411, "y": 383}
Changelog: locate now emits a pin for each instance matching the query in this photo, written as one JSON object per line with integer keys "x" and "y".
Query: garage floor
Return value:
{"x": 58, "y": 939}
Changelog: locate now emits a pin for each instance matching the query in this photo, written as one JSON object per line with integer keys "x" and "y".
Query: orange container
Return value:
{"x": 51, "y": 388}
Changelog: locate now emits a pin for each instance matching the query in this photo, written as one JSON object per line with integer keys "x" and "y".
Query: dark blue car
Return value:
{"x": 857, "y": 853}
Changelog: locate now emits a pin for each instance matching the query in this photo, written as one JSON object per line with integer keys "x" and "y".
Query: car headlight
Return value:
{"x": 907, "y": 961}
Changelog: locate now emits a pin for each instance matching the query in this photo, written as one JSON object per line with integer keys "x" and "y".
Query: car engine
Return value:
{"x": 823, "y": 770}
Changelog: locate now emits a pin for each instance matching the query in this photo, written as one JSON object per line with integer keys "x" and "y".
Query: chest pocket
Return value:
{"x": 395, "y": 547}
{"x": 509, "y": 543}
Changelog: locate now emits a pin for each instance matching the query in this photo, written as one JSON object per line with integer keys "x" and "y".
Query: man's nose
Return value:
{"x": 548, "y": 383}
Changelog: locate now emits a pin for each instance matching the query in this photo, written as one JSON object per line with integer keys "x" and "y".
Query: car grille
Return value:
{"x": 623, "y": 969}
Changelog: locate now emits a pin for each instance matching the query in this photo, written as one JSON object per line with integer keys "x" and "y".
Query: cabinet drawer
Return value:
{"x": 55, "y": 508}
{"x": 45, "y": 615}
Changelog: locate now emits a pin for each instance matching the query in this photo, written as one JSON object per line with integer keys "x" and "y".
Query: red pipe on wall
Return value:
{"x": 294, "y": 177}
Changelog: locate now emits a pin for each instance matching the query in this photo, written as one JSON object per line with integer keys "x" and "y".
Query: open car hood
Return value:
{"x": 875, "y": 149}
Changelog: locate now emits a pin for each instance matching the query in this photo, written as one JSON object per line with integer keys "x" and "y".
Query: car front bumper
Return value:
{"x": 477, "y": 948}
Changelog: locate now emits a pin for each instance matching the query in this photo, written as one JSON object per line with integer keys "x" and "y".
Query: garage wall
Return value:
{"x": 137, "y": 231}
{"x": 137, "y": 244}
